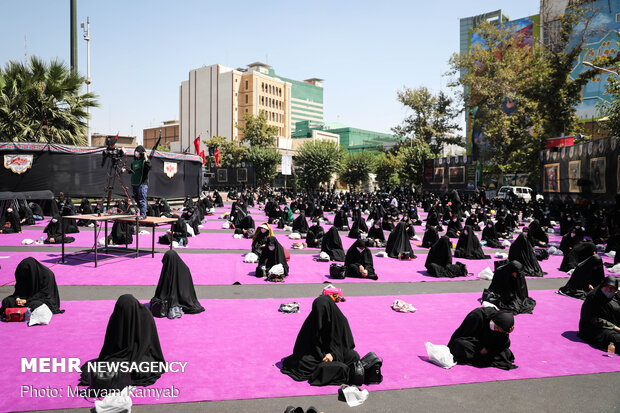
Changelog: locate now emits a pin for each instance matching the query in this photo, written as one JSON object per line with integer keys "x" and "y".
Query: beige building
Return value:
{"x": 317, "y": 135}
{"x": 214, "y": 100}
{"x": 169, "y": 131}
{"x": 98, "y": 139}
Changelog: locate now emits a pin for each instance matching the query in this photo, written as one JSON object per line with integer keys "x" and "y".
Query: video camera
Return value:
{"x": 110, "y": 151}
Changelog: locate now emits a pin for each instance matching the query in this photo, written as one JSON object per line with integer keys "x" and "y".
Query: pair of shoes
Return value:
{"x": 175, "y": 312}
{"x": 293, "y": 409}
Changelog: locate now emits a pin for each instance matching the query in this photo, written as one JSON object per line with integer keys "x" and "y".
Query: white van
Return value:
{"x": 520, "y": 191}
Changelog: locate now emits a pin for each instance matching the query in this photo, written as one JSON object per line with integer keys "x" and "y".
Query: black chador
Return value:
{"x": 508, "y": 290}
{"x": 398, "y": 242}
{"x": 332, "y": 245}
{"x": 176, "y": 284}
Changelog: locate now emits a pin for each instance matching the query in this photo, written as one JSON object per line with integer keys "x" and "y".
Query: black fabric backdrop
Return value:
{"x": 589, "y": 157}
{"x": 437, "y": 174}
{"x": 77, "y": 171}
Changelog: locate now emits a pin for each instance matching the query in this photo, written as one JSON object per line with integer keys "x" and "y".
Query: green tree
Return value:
{"x": 256, "y": 131}
{"x": 412, "y": 158}
{"x": 357, "y": 168}
{"x": 265, "y": 162}
{"x": 434, "y": 119}
{"x": 40, "y": 93}
{"x": 611, "y": 110}
{"x": 231, "y": 153}
{"x": 387, "y": 167}
{"x": 317, "y": 161}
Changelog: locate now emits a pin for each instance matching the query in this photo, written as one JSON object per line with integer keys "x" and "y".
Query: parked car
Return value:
{"x": 520, "y": 191}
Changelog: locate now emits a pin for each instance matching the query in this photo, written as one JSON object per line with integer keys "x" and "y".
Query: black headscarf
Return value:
{"x": 439, "y": 260}
{"x": 521, "y": 250}
{"x": 536, "y": 234}
{"x": 268, "y": 258}
{"x": 332, "y": 245}
{"x": 376, "y": 232}
{"x": 599, "y": 314}
{"x": 176, "y": 285}
{"x": 588, "y": 272}
{"x": 398, "y": 242}
{"x": 36, "y": 284}
{"x": 325, "y": 331}
{"x": 13, "y": 219}
{"x": 359, "y": 226}
{"x": 355, "y": 258}
{"x": 131, "y": 336}
{"x": 489, "y": 234}
{"x": 454, "y": 228}
{"x": 577, "y": 254}
{"x": 430, "y": 237}
{"x": 475, "y": 333}
{"x": 510, "y": 292}
{"x": 314, "y": 237}
{"x": 469, "y": 246}
{"x": 300, "y": 224}
{"x": 569, "y": 240}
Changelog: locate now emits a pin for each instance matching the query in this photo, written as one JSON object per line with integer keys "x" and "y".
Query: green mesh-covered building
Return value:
{"x": 353, "y": 139}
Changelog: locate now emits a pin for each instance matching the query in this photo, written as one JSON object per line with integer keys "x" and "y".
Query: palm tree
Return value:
{"x": 42, "y": 102}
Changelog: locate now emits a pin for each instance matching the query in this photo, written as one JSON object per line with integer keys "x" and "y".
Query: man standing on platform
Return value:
{"x": 140, "y": 168}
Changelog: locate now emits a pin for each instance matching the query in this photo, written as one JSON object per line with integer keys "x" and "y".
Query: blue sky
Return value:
{"x": 142, "y": 50}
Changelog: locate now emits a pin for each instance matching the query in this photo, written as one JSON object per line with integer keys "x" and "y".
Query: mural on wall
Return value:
{"x": 597, "y": 175}
{"x": 574, "y": 174}
{"x": 552, "y": 177}
{"x": 457, "y": 175}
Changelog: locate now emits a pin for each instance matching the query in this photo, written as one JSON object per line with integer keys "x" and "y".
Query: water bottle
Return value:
{"x": 41, "y": 239}
{"x": 27, "y": 316}
{"x": 611, "y": 350}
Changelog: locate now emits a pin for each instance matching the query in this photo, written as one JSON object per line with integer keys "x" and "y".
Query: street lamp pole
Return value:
{"x": 87, "y": 38}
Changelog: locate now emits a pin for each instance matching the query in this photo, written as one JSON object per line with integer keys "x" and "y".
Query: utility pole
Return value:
{"x": 73, "y": 24}
{"x": 87, "y": 38}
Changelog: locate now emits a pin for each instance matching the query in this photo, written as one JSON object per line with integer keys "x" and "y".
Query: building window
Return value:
{"x": 246, "y": 85}
{"x": 262, "y": 85}
{"x": 246, "y": 99}
{"x": 246, "y": 110}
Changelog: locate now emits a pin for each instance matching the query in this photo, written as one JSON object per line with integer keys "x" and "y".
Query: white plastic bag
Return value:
{"x": 237, "y": 236}
{"x": 439, "y": 355}
{"x": 403, "y": 307}
{"x": 486, "y": 274}
{"x": 416, "y": 238}
{"x": 115, "y": 403}
{"x": 143, "y": 232}
{"x": 381, "y": 254}
{"x": 298, "y": 245}
{"x": 555, "y": 251}
{"x": 250, "y": 257}
{"x": 288, "y": 228}
{"x": 277, "y": 269}
{"x": 294, "y": 235}
{"x": 488, "y": 304}
{"x": 226, "y": 225}
{"x": 501, "y": 255}
{"x": 611, "y": 254}
{"x": 27, "y": 241}
{"x": 190, "y": 230}
{"x": 41, "y": 315}
{"x": 354, "y": 396}
{"x": 506, "y": 243}
{"x": 615, "y": 269}
{"x": 324, "y": 256}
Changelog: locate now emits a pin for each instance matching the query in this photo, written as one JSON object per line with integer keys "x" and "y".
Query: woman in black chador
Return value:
{"x": 439, "y": 260}
{"x": 468, "y": 246}
{"x": 508, "y": 290}
{"x": 579, "y": 253}
{"x": 482, "y": 339}
{"x": 536, "y": 235}
{"x": 430, "y": 237}
{"x": 272, "y": 254}
{"x": 259, "y": 240}
{"x": 376, "y": 235}
{"x": 398, "y": 242}
{"x": 35, "y": 285}
{"x": 176, "y": 285}
{"x": 358, "y": 261}
{"x": 332, "y": 245}
{"x": 131, "y": 336}
{"x": 10, "y": 216}
{"x": 341, "y": 221}
{"x": 54, "y": 232}
{"x": 599, "y": 324}
{"x": 521, "y": 250}
{"x": 489, "y": 234}
{"x": 324, "y": 351}
{"x": 358, "y": 227}
{"x": 315, "y": 234}
{"x": 300, "y": 224}
{"x": 454, "y": 228}
{"x": 587, "y": 275}
{"x": 70, "y": 223}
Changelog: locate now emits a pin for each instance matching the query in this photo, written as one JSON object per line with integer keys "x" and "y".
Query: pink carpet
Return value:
{"x": 227, "y": 268}
{"x": 230, "y": 357}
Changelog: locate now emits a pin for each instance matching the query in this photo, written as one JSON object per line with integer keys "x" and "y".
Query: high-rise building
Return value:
{"x": 215, "y": 99}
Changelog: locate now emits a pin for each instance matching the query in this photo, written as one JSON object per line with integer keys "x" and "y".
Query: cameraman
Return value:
{"x": 140, "y": 168}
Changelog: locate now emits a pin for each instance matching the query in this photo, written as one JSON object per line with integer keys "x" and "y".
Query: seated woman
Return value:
{"x": 358, "y": 261}
{"x": 70, "y": 223}
{"x": 579, "y": 253}
{"x": 570, "y": 240}
{"x": 490, "y": 236}
{"x": 332, "y": 245}
{"x": 179, "y": 233}
{"x": 502, "y": 229}
{"x": 246, "y": 227}
{"x": 54, "y": 232}
{"x": 83, "y": 209}
{"x": 521, "y": 250}
{"x": 37, "y": 211}
{"x": 430, "y": 237}
{"x": 468, "y": 246}
{"x": 439, "y": 260}
{"x": 341, "y": 220}
{"x": 358, "y": 228}
{"x": 315, "y": 234}
{"x": 176, "y": 284}
{"x": 376, "y": 237}
{"x": 454, "y": 228}
{"x": 536, "y": 235}
{"x": 398, "y": 243}
{"x": 508, "y": 290}
{"x": 131, "y": 336}
{"x": 599, "y": 324}
{"x": 35, "y": 285}
{"x": 300, "y": 224}
{"x": 286, "y": 217}
{"x": 10, "y": 222}
{"x": 324, "y": 350}
{"x": 271, "y": 255}
{"x": 586, "y": 277}
{"x": 387, "y": 223}
{"x": 259, "y": 240}
{"x": 26, "y": 216}
{"x": 482, "y": 339}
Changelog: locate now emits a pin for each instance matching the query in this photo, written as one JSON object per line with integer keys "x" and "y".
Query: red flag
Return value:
{"x": 202, "y": 155}
{"x": 217, "y": 157}
{"x": 197, "y": 144}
